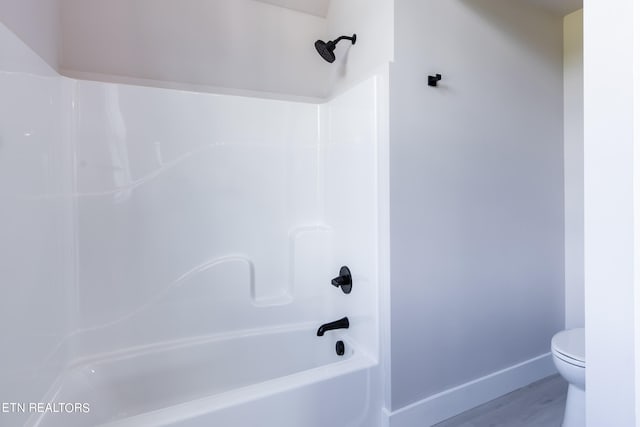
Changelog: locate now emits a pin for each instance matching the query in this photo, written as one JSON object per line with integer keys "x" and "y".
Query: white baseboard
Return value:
{"x": 454, "y": 401}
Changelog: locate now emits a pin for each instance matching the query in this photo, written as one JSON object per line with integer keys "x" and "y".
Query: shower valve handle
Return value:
{"x": 343, "y": 280}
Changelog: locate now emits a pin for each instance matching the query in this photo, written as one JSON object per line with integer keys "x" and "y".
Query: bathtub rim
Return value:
{"x": 356, "y": 359}
{"x": 201, "y": 406}
{"x": 176, "y": 344}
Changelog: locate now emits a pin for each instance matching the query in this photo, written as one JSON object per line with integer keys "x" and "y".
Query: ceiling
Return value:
{"x": 320, "y": 7}
{"x": 313, "y": 7}
{"x": 558, "y": 7}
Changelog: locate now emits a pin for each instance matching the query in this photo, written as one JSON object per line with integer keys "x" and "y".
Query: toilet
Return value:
{"x": 567, "y": 349}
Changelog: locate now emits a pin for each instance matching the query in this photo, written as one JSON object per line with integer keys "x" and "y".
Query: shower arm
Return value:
{"x": 352, "y": 38}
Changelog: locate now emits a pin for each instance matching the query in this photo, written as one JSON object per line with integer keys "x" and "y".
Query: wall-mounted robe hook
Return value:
{"x": 433, "y": 80}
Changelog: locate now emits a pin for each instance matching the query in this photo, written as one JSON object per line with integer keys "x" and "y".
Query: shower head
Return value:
{"x": 325, "y": 49}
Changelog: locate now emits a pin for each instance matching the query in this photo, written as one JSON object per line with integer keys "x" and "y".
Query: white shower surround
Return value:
{"x": 202, "y": 214}
{"x": 187, "y": 216}
{"x": 36, "y": 231}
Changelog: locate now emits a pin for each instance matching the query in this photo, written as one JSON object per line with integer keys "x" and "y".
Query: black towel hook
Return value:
{"x": 433, "y": 80}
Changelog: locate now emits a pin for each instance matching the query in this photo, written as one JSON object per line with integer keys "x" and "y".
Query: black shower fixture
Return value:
{"x": 433, "y": 80}
{"x": 344, "y": 280}
{"x": 338, "y": 324}
{"x": 326, "y": 49}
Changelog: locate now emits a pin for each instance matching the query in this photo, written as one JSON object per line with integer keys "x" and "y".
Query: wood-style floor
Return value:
{"x": 540, "y": 404}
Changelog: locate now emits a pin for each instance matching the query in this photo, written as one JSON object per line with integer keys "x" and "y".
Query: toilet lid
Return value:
{"x": 569, "y": 343}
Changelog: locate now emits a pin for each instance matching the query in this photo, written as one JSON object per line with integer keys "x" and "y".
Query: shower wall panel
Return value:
{"x": 36, "y": 232}
{"x": 202, "y": 214}
{"x": 194, "y": 211}
{"x": 350, "y": 146}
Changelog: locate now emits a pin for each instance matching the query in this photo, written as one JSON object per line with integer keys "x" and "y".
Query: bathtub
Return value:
{"x": 278, "y": 377}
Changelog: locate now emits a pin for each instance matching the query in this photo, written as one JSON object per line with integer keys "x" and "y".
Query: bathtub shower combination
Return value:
{"x": 191, "y": 244}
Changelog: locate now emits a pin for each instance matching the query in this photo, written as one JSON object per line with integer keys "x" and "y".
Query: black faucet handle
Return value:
{"x": 343, "y": 280}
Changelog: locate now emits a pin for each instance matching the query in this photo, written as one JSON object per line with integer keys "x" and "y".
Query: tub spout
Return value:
{"x": 338, "y": 324}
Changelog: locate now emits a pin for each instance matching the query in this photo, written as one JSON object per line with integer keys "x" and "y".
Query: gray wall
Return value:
{"x": 238, "y": 44}
{"x": 574, "y": 170}
{"x": 225, "y": 44}
{"x": 36, "y": 23}
{"x": 477, "y": 252}
{"x": 372, "y": 21}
